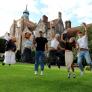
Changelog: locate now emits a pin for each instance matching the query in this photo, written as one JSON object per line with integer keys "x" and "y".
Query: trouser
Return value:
{"x": 55, "y": 57}
{"x": 26, "y": 56}
{"x": 39, "y": 59}
{"x": 84, "y": 54}
{"x": 69, "y": 60}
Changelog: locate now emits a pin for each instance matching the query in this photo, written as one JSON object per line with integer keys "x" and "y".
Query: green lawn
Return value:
{"x": 21, "y": 78}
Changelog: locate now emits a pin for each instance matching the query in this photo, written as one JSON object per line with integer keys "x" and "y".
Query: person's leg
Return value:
{"x": 13, "y": 58}
{"x": 36, "y": 61}
{"x": 72, "y": 64}
{"x": 70, "y": 57}
{"x": 7, "y": 57}
{"x": 58, "y": 56}
{"x": 68, "y": 63}
{"x": 42, "y": 56}
{"x": 49, "y": 59}
{"x": 72, "y": 67}
{"x": 28, "y": 55}
{"x": 52, "y": 58}
{"x": 88, "y": 58}
{"x": 79, "y": 61}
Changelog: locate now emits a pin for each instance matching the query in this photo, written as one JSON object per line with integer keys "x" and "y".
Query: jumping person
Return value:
{"x": 9, "y": 56}
{"x": 65, "y": 38}
{"x": 26, "y": 56}
{"x": 82, "y": 45}
{"x": 55, "y": 51}
{"x": 69, "y": 56}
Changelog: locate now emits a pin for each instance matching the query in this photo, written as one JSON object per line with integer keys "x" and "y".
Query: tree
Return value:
{"x": 90, "y": 39}
{"x": 2, "y": 45}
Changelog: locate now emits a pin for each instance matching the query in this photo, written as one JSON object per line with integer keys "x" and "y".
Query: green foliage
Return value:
{"x": 90, "y": 38}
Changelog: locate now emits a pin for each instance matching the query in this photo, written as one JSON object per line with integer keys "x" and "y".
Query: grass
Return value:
{"x": 21, "y": 78}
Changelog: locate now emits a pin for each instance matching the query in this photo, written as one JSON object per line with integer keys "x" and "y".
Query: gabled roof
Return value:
{"x": 53, "y": 22}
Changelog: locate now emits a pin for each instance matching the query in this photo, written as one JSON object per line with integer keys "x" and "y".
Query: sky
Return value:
{"x": 77, "y": 11}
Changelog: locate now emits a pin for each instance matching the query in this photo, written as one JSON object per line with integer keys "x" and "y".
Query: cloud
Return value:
{"x": 82, "y": 10}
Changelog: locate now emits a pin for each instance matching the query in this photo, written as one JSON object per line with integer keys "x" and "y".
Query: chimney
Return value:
{"x": 67, "y": 24}
{"x": 59, "y": 15}
{"x": 45, "y": 18}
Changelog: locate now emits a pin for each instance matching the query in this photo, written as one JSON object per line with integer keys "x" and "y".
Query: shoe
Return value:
{"x": 3, "y": 64}
{"x": 69, "y": 75}
{"x": 41, "y": 73}
{"x": 74, "y": 76}
{"x": 81, "y": 73}
{"x": 49, "y": 66}
{"x": 59, "y": 66}
{"x": 36, "y": 73}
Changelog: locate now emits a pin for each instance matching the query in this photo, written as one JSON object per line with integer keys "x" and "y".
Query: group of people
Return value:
{"x": 41, "y": 46}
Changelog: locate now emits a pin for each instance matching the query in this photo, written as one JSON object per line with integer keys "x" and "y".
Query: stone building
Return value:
{"x": 20, "y": 26}
{"x": 57, "y": 24}
{"x": 50, "y": 28}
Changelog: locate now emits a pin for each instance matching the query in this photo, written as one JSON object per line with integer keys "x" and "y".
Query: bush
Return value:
{"x": 87, "y": 68}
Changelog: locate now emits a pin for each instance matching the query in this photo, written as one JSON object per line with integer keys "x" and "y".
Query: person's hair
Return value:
{"x": 40, "y": 32}
{"x": 26, "y": 35}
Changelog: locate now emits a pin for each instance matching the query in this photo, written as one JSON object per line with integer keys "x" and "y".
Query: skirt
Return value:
{"x": 68, "y": 58}
{"x": 9, "y": 57}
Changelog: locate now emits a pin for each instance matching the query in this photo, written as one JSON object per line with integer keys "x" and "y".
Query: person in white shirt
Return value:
{"x": 54, "y": 52}
{"x": 69, "y": 44}
{"x": 55, "y": 42}
{"x": 82, "y": 46}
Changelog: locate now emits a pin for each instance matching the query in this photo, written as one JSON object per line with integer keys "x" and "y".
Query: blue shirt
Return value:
{"x": 27, "y": 43}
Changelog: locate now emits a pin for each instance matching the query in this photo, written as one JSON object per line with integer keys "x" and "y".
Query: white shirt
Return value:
{"x": 54, "y": 43}
{"x": 83, "y": 42}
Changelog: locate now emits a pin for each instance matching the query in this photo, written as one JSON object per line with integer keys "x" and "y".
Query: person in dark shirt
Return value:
{"x": 10, "y": 45}
{"x": 41, "y": 46}
{"x": 68, "y": 46}
{"x": 69, "y": 56}
{"x": 10, "y": 48}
